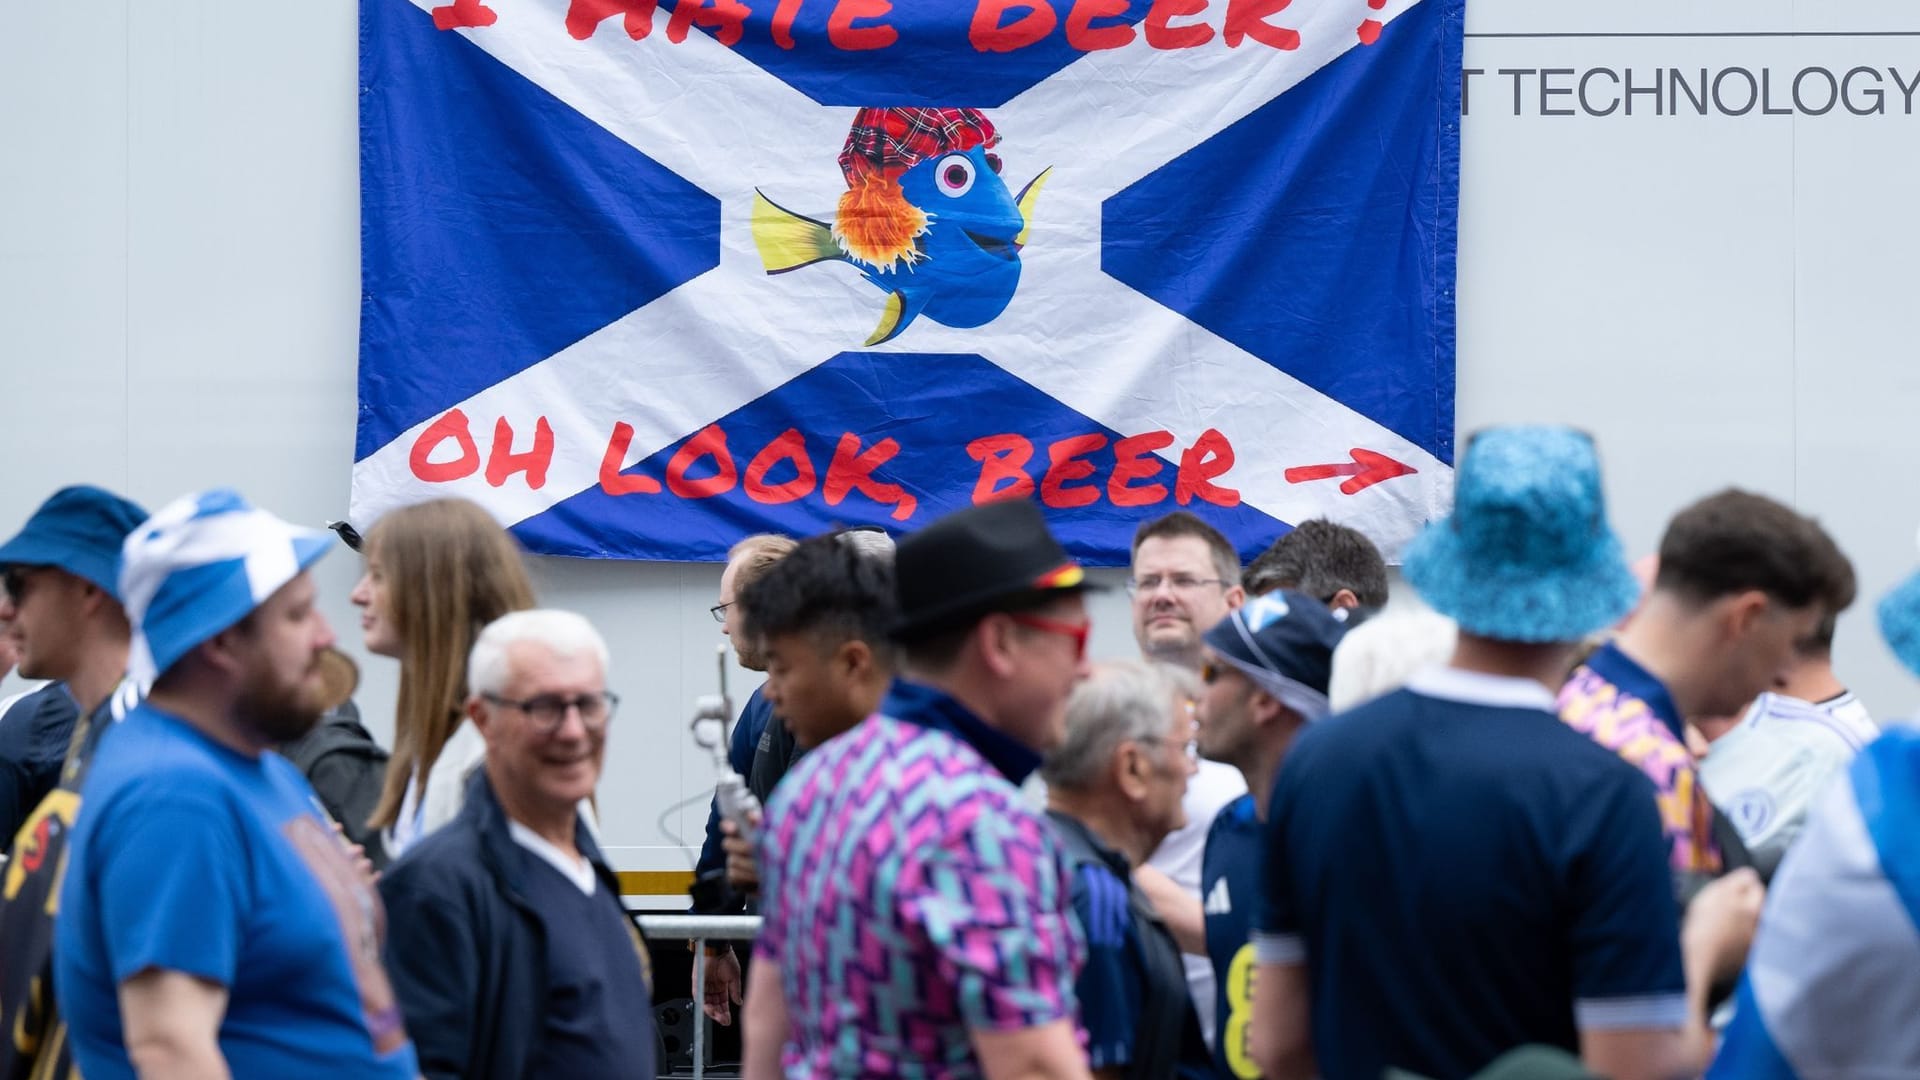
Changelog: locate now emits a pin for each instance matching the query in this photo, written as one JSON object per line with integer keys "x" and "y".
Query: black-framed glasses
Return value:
{"x": 719, "y": 612}
{"x": 549, "y": 711}
{"x": 1180, "y": 583}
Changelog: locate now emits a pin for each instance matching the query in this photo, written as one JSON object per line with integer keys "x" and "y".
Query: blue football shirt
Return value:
{"x": 191, "y": 857}
{"x": 1229, "y": 891}
{"x": 1462, "y": 874}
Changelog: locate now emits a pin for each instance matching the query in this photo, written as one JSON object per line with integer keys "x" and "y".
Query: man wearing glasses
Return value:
{"x": 761, "y": 751}
{"x": 510, "y": 951}
{"x": 1186, "y": 578}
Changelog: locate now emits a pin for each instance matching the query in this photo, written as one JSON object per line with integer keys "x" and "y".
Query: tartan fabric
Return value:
{"x": 891, "y": 141}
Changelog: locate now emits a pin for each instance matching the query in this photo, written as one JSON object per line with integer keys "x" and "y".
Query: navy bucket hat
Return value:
{"x": 1283, "y": 642}
{"x": 78, "y": 529}
{"x": 1527, "y": 554}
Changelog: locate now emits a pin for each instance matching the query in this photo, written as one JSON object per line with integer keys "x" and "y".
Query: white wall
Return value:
{"x": 1718, "y": 299}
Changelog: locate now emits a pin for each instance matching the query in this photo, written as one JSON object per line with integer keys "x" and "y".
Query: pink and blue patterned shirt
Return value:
{"x": 1623, "y": 707}
{"x": 910, "y": 897}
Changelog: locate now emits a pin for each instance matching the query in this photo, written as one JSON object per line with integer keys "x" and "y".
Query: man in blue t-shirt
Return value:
{"x": 1266, "y": 671}
{"x": 213, "y": 922}
{"x": 1450, "y": 871}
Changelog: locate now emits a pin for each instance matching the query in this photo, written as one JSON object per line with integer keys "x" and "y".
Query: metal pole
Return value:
{"x": 699, "y": 1008}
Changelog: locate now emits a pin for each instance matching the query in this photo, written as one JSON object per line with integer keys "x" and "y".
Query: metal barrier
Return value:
{"x": 699, "y": 929}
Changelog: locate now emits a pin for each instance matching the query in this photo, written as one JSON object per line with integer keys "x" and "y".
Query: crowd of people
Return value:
{"x": 1566, "y": 817}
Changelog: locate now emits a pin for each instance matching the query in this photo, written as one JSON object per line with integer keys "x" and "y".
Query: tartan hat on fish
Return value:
{"x": 1527, "y": 554}
{"x": 78, "y": 529}
{"x": 998, "y": 556}
{"x": 200, "y": 565}
{"x": 876, "y": 225}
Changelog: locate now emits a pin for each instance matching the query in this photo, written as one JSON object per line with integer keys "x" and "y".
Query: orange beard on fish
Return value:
{"x": 876, "y": 224}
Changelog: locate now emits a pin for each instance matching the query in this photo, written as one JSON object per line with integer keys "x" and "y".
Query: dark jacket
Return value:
{"x": 466, "y": 951}
{"x": 346, "y": 768}
{"x": 34, "y": 734}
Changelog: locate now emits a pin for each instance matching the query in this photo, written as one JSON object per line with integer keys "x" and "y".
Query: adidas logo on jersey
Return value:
{"x": 1219, "y": 901}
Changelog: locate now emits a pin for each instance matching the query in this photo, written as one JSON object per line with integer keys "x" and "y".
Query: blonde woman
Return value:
{"x": 436, "y": 573}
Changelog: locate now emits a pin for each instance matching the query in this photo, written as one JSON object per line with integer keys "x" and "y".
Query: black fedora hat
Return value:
{"x": 974, "y": 561}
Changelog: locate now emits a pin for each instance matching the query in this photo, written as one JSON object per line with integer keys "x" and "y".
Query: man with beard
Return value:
{"x": 213, "y": 922}
{"x": 62, "y": 611}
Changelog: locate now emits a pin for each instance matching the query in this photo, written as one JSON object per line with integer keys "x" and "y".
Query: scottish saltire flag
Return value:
{"x": 642, "y": 276}
{"x": 1832, "y": 988}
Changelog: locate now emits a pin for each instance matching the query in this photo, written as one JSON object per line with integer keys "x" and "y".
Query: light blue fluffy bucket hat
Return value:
{"x": 1900, "y": 621}
{"x": 1527, "y": 554}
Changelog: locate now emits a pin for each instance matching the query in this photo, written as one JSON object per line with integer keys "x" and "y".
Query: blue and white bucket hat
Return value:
{"x": 200, "y": 565}
{"x": 1899, "y": 613}
{"x": 1283, "y": 642}
{"x": 1527, "y": 554}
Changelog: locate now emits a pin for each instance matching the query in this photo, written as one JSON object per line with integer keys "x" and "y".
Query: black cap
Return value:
{"x": 975, "y": 561}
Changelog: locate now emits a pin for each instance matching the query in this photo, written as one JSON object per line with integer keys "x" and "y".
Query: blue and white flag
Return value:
{"x": 643, "y": 276}
{"x": 1832, "y": 987}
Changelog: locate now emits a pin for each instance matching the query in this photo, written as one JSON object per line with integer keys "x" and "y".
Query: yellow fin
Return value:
{"x": 890, "y": 315}
{"x": 788, "y": 241}
{"x": 1028, "y": 196}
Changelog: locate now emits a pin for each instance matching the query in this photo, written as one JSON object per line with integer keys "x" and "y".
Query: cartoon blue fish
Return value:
{"x": 926, "y": 218}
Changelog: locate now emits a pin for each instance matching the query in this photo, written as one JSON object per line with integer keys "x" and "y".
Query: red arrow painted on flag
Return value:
{"x": 1366, "y": 469}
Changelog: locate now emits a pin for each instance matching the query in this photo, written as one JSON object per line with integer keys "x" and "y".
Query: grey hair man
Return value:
{"x": 1114, "y": 790}
{"x": 511, "y": 952}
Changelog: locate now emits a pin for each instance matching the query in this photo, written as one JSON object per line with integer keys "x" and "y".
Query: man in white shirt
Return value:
{"x": 1186, "y": 578}
{"x": 1765, "y": 771}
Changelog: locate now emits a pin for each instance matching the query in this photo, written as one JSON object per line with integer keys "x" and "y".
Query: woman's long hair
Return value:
{"x": 449, "y": 570}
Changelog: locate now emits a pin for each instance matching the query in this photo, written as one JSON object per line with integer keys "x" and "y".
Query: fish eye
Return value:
{"x": 993, "y": 162}
{"x": 954, "y": 175}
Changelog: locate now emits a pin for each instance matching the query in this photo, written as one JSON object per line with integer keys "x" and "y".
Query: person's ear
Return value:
{"x": 853, "y": 658}
{"x": 1344, "y": 600}
{"x": 998, "y": 641}
{"x": 1131, "y": 769}
{"x": 1742, "y": 611}
{"x": 1236, "y": 596}
{"x": 477, "y": 712}
{"x": 1264, "y": 708}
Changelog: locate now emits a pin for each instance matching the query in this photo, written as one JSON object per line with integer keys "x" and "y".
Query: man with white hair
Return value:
{"x": 1114, "y": 791}
{"x": 511, "y": 951}
{"x": 212, "y": 923}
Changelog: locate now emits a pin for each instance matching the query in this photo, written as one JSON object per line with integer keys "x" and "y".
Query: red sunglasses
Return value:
{"x": 1077, "y": 631}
